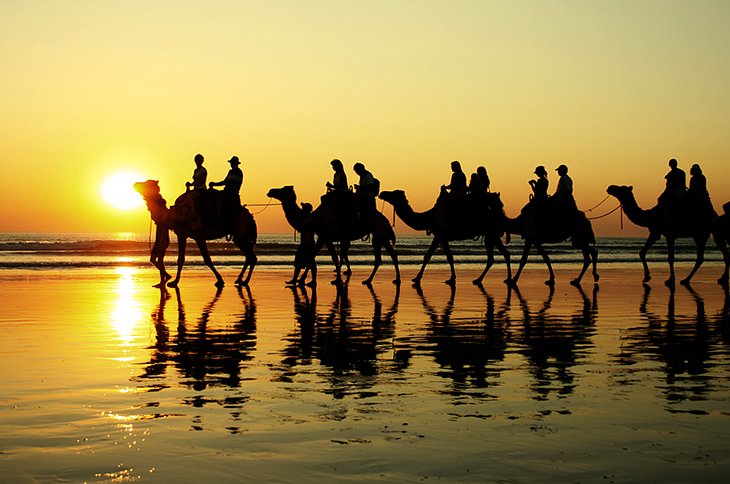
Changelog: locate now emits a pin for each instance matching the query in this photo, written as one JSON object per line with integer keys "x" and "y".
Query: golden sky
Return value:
{"x": 612, "y": 89}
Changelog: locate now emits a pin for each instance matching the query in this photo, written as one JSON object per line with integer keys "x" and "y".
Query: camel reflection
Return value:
{"x": 553, "y": 344}
{"x": 467, "y": 351}
{"x": 350, "y": 347}
{"x": 682, "y": 343}
{"x": 205, "y": 355}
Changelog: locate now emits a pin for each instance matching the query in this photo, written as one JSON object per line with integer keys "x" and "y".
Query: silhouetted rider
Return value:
{"x": 231, "y": 191}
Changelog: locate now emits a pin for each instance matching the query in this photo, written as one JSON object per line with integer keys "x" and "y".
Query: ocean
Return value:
{"x": 37, "y": 251}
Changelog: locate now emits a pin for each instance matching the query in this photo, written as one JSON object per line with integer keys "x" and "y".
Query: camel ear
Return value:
{"x": 631, "y": 188}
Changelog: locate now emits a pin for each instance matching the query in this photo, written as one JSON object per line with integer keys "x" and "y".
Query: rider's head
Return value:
{"x": 337, "y": 165}
{"x": 455, "y": 166}
{"x": 358, "y": 168}
{"x": 482, "y": 171}
{"x": 234, "y": 161}
{"x": 562, "y": 170}
{"x": 540, "y": 171}
{"x": 673, "y": 163}
{"x": 695, "y": 170}
{"x": 306, "y": 207}
{"x": 199, "y": 159}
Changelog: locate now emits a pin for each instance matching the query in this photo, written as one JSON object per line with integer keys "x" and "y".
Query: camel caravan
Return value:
{"x": 463, "y": 211}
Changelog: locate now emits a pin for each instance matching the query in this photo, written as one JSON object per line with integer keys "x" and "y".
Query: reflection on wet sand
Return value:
{"x": 350, "y": 348}
{"x": 467, "y": 351}
{"x": 685, "y": 345}
{"x": 208, "y": 355}
{"x": 553, "y": 344}
{"x": 470, "y": 352}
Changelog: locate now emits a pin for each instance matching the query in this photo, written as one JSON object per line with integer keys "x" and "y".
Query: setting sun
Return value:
{"x": 117, "y": 191}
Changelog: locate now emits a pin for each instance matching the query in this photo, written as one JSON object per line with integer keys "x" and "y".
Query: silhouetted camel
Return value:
{"x": 660, "y": 223}
{"x": 538, "y": 227}
{"x": 328, "y": 231}
{"x": 479, "y": 219}
{"x": 243, "y": 235}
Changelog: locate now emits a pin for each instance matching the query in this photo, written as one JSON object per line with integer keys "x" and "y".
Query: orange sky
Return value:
{"x": 612, "y": 89}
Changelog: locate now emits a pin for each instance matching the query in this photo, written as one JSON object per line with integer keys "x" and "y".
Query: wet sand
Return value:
{"x": 108, "y": 379}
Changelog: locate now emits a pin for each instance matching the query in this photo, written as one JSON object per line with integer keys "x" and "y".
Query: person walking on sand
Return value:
{"x": 231, "y": 191}
{"x": 304, "y": 257}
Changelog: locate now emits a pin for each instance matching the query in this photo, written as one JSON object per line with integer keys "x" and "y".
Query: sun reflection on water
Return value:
{"x": 127, "y": 313}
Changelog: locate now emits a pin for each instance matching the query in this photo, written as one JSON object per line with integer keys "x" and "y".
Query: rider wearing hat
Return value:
{"x": 540, "y": 185}
{"x": 231, "y": 187}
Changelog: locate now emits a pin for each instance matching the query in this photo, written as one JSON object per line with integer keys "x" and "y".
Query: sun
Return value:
{"x": 117, "y": 191}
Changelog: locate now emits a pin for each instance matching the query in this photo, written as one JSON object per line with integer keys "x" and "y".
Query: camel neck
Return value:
{"x": 415, "y": 220}
{"x": 292, "y": 212}
{"x": 158, "y": 209}
{"x": 636, "y": 214}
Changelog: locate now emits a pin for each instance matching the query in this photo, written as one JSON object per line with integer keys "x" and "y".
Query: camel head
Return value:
{"x": 283, "y": 194}
{"x": 621, "y": 192}
{"x": 147, "y": 189}
{"x": 393, "y": 197}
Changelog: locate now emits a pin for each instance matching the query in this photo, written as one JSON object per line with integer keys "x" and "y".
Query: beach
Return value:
{"x": 107, "y": 379}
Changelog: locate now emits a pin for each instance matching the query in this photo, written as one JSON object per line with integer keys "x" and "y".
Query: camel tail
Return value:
{"x": 587, "y": 229}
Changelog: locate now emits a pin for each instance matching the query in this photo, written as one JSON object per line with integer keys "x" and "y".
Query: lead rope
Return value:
{"x": 599, "y": 204}
{"x": 149, "y": 236}
{"x": 622, "y": 217}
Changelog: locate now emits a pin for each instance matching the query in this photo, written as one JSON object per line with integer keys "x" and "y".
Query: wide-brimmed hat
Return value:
{"x": 540, "y": 170}
{"x": 234, "y": 160}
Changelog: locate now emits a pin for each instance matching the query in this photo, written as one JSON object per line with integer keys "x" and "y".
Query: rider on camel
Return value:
{"x": 231, "y": 192}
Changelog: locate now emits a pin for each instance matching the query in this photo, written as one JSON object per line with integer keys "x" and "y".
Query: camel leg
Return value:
{"x": 490, "y": 262}
{"x": 722, "y": 245}
{"x": 345, "y": 256}
{"x": 594, "y": 258}
{"x": 394, "y": 257}
{"x": 700, "y": 243}
{"x": 378, "y": 261}
{"x": 523, "y": 261}
{"x": 505, "y": 253}
{"x": 450, "y": 259}
{"x": 670, "y": 259}
{"x": 586, "y": 263}
{"x": 650, "y": 241}
{"x": 249, "y": 262}
{"x": 335, "y": 258}
{"x": 541, "y": 250}
{"x": 426, "y": 258}
{"x": 182, "y": 243}
{"x": 203, "y": 246}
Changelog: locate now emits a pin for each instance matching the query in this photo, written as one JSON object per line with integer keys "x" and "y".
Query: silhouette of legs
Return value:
{"x": 650, "y": 241}
{"x": 249, "y": 260}
{"x": 182, "y": 243}
{"x": 541, "y": 250}
{"x": 490, "y": 243}
{"x": 435, "y": 242}
{"x": 670, "y": 258}
{"x": 203, "y": 246}
{"x": 700, "y": 243}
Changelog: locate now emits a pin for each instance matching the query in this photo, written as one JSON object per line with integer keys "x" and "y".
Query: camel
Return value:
{"x": 537, "y": 228}
{"x": 329, "y": 231}
{"x": 176, "y": 219}
{"x": 660, "y": 223}
{"x": 482, "y": 219}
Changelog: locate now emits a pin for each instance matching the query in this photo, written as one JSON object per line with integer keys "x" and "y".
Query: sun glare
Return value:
{"x": 117, "y": 191}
